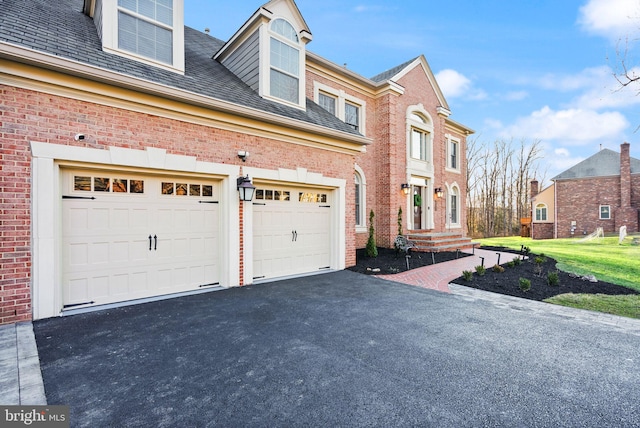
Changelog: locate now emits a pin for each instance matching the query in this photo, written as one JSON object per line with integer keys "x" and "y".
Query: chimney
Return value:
{"x": 625, "y": 176}
{"x": 534, "y": 188}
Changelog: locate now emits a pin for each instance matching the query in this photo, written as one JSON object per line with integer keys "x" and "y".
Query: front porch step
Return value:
{"x": 440, "y": 241}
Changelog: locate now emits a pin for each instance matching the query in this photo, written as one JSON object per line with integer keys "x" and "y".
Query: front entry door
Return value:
{"x": 417, "y": 207}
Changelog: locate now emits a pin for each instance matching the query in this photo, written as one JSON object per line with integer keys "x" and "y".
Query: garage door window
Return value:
{"x": 273, "y": 195}
{"x": 312, "y": 197}
{"x": 107, "y": 184}
{"x": 186, "y": 189}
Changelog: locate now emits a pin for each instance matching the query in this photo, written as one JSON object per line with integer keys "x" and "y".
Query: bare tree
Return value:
{"x": 498, "y": 183}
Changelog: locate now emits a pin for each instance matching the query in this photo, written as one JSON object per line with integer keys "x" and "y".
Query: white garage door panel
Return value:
{"x": 291, "y": 236}
{"x": 106, "y": 255}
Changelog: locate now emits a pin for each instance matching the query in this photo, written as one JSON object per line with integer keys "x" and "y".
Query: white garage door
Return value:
{"x": 291, "y": 232}
{"x": 127, "y": 236}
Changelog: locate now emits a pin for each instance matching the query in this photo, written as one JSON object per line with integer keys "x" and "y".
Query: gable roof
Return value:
{"x": 60, "y": 29}
{"x": 396, "y": 73}
{"x": 605, "y": 163}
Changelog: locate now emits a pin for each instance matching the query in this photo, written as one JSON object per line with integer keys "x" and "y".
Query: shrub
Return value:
{"x": 511, "y": 264}
{"x": 497, "y": 268}
{"x": 553, "y": 279}
{"x": 480, "y": 270}
{"x": 372, "y": 250}
{"x": 540, "y": 259}
{"x": 525, "y": 284}
{"x": 467, "y": 275}
{"x": 517, "y": 261}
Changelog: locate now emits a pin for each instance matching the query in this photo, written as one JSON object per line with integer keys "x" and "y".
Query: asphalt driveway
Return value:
{"x": 339, "y": 349}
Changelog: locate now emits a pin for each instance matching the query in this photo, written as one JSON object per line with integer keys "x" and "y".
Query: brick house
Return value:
{"x": 601, "y": 191}
{"x": 124, "y": 134}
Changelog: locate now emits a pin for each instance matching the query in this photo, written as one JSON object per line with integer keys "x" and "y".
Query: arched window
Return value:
{"x": 284, "y": 62}
{"x": 360, "y": 198}
{"x": 541, "y": 212}
{"x": 454, "y": 205}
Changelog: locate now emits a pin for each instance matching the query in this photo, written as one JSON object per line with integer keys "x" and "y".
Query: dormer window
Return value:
{"x": 149, "y": 31}
{"x": 284, "y": 62}
{"x": 145, "y": 27}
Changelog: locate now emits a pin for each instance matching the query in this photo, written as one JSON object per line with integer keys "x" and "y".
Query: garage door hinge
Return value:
{"x": 259, "y": 203}
{"x": 73, "y": 305}
{"x": 78, "y": 197}
{"x": 210, "y": 285}
{"x": 326, "y": 267}
{"x": 259, "y": 277}
{"x": 325, "y": 206}
{"x": 208, "y": 202}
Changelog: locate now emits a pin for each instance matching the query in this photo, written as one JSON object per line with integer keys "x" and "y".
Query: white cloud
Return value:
{"x": 571, "y": 126}
{"x": 516, "y": 95}
{"x": 613, "y": 19}
{"x": 454, "y": 85}
{"x": 572, "y": 82}
{"x": 561, "y": 152}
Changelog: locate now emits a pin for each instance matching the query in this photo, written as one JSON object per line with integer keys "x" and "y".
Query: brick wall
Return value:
{"x": 542, "y": 230}
{"x": 580, "y": 200}
{"x": 32, "y": 116}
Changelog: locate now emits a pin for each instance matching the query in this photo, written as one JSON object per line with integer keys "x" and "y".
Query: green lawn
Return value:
{"x": 604, "y": 258}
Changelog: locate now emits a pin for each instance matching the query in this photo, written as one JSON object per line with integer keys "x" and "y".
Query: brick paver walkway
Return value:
{"x": 438, "y": 276}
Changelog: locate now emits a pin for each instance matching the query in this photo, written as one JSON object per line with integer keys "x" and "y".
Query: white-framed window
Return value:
{"x": 453, "y": 154}
{"x": 148, "y": 31}
{"x": 454, "y": 205}
{"x": 328, "y": 102}
{"x": 347, "y": 108}
{"x": 541, "y": 212}
{"x": 284, "y": 62}
{"x": 419, "y": 144}
{"x": 360, "y": 200}
{"x": 145, "y": 28}
{"x": 352, "y": 115}
{"x": 420, "y": 136}
{"x": 605, "y": 212}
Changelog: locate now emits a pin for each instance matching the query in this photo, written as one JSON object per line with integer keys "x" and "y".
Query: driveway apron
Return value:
{"x": 339, "y": 349}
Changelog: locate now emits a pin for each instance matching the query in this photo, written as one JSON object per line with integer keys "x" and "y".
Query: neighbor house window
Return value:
{"x": 352, "y": 115}
{"x": 605, "y": 212}
{"x": 327, "y": 102}
{"x": 145, "y": 28}
{"x": 285, "y": 62}
{"x": 541, "y": 212}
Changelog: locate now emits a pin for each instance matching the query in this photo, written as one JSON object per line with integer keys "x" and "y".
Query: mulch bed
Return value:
{"x": 390, "y": 261}
{"x": 508, "y": 282}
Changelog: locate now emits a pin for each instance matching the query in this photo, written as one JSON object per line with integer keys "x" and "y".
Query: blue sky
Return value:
{"x": 535, "y": 70}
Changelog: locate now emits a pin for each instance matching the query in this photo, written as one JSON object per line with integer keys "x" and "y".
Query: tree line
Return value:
{"x": 499, "y": 176}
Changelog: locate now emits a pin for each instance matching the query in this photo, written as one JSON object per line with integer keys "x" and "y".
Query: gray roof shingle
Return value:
{"x": 60, "y": 28}
{"x": 605, "y": 163}
{"x": 386, "y": 75}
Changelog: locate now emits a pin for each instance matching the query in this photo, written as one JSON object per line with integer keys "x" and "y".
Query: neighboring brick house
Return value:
{"x": 601, "y": 191}
{"x": 124, "y": 133}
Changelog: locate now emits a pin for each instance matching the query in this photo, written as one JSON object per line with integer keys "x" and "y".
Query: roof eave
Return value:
{"x": 47, "y": 61}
